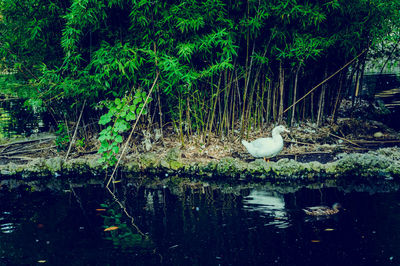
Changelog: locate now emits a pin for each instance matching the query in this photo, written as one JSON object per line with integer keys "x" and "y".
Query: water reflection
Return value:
{"x": 153, "y": 198}
{"x": 6, "y": 226}
{"x": 270, "y": 203}
{"x": 192, "y": 226}
{"x": 124, "y": 235}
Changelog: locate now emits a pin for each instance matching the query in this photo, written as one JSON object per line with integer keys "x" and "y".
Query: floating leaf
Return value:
{"x": 41, "y": 261}
{"x": 101, "y": 210}
{"x": 315, "y": 241}
{"x": 116, "y": 181}
{"x": 329, "y": 229}
{"x": 111, "y": 228}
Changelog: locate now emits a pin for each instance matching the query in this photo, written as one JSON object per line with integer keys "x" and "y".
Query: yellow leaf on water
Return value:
{"x": 116, "y": 181}
{"x": 315, "y": 241}
{"x": 329, "y": 229}
{"x": 101, "y": 210}
{"x": 41, "y": 261}
{"x": 111, "y": 228}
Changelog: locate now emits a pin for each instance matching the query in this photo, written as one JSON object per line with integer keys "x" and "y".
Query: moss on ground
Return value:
{"x": 379, "y": 164}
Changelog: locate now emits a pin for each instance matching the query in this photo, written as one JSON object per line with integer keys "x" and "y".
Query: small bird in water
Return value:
{"x": 322, "y": 210}
{"x": 266, "y": 147}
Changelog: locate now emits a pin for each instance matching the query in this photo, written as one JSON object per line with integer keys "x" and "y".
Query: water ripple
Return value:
{"x": 6, "y": 227}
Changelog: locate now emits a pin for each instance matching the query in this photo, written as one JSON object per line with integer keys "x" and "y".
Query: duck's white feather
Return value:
{"x": 266, "y": 147}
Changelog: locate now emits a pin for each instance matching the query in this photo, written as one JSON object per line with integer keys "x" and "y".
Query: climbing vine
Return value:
{"x": 117, "y": 120}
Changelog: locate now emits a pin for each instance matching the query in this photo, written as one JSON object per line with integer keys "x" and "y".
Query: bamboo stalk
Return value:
{"x": 208, "y": 111}
{"x": 295, "y": 93}
{"x": 320, "y": 107}
{"x": 349, "y": 141}
{"x": 275, "y": 102}
{"x": 338, "y": 97}
{"x": 357, "y": 81}
{"x": 160, "y": 113}
{"x": 321, "y": 102}
{"x": 376, "y": 141}
{"x": 233, "y": 108}
{"x": 76, "y": 130}
{"x": 331, "y": 76}
{"x": 281, "y": 88}
{"x": 247, "y": 79}
{"x": 360, "y": 80}
{"x": 269, "y": 96}
{"x": 19, "y": 142}
{"x": 7, "y": 157}
{"x": 24, "y": 151}
{"x": 188, "y": 118}
{"x": 312, "y": 106}
{"x": 210, "y": 125}
{"x": 261, "y": 115}
{"x": 227, "y": 92}
{"x": 180, "y": 124}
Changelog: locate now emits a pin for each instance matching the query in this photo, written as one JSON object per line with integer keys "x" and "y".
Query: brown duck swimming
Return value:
{"x": 322, "y": 210}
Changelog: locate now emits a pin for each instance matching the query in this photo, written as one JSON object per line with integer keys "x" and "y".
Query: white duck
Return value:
{"x": 267, "y": 147}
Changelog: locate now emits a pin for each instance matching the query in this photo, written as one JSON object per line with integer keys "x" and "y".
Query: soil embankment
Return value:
{"x": 349, "y": 148}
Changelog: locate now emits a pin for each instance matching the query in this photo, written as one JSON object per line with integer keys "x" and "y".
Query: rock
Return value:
{"x": 227, "y": 166}
{"x": 149, "y": 160}
{"x": 54, "y": 164}
{"x": 382, "y": 164}
{"x": 173, "y": 160}
{"x": 174, "y": 154}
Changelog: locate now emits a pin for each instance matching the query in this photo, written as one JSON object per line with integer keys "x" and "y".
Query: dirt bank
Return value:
{"x": 349, "y": 147}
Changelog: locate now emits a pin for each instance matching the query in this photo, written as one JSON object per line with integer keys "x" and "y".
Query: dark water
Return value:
{"x": 197, "y": 226}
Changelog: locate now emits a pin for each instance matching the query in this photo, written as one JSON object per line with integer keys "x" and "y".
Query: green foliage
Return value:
{"x": 62, "y": 139}
{"x": 213, "y": 57}
{"x": 80, "y": 143}
{"x": 120, "y": 113}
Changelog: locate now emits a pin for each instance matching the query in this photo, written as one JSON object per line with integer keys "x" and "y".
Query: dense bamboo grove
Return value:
{"x": 222, "y": 65}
